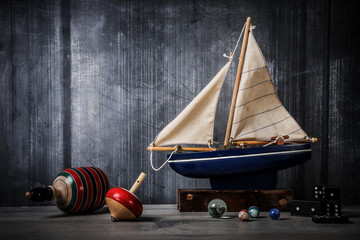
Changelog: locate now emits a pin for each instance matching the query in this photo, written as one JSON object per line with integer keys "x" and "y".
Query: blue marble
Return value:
{"x": 274, "y": 213}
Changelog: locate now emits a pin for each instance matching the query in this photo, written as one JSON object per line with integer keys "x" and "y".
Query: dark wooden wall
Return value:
{"x": 93, "y": 82}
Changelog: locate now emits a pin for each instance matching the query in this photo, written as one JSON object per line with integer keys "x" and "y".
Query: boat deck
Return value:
{"x": 166, "y": 222}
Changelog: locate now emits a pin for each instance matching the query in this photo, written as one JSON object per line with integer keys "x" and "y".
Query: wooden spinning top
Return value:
{"x": 123, "y": 204}
{"x": 74, "y": 190}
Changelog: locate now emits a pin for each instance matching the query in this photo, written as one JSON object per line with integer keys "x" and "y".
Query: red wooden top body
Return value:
{"x": 127, "y": 199}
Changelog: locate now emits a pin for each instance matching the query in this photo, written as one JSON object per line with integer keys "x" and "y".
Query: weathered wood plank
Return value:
{"x": 33, "y": 92}
{"x": 6, "y": 98}
{"x": 344, "y": 98}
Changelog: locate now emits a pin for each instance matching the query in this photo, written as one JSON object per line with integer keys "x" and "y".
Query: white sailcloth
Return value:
{"x": 195, "y": 124}
{"x": 259, "y": 114}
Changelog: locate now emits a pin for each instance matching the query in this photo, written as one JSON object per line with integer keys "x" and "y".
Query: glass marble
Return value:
{"x": 244, "y": 215}
{"x": 217, "y": 208}
{"x": 274, "y": 213}
{"x": 254, "y": 211}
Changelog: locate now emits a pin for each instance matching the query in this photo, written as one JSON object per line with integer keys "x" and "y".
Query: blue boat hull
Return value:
{"x": 231, "y": 169}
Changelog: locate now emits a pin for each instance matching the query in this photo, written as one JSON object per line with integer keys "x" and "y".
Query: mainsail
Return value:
{"x": 259, "y": 114}
{"x": 195, "y": 124}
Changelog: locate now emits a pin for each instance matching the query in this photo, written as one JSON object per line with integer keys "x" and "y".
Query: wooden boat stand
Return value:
{"x": 197, "y": 200}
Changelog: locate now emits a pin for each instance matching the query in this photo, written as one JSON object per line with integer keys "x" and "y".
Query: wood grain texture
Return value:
{"x": 93, "y": 82}
{"x": 197, "y": 200}
{"x": 164, "y": 221}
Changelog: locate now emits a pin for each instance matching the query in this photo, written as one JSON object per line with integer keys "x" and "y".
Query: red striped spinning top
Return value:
{"x": 75, "y": 190}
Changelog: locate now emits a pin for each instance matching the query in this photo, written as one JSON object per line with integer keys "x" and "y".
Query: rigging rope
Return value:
{"x": 237, "y": 44}
{"x": 209, "y": 145}
{"x": 276, "y": 139}
{"x": 151, "y": 158}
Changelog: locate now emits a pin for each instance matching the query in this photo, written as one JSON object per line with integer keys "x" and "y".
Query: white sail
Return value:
{"x": 195, "y": 124}
{"x": 259, "y": 114}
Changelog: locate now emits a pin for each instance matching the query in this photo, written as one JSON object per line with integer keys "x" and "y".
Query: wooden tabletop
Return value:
{"x": 166, "y": 222}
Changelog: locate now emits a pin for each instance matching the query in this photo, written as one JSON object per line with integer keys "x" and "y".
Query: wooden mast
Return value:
{"x": 237, "y": 82}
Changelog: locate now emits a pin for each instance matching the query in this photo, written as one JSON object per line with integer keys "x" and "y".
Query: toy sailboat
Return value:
{"x": 261, "y": 136}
